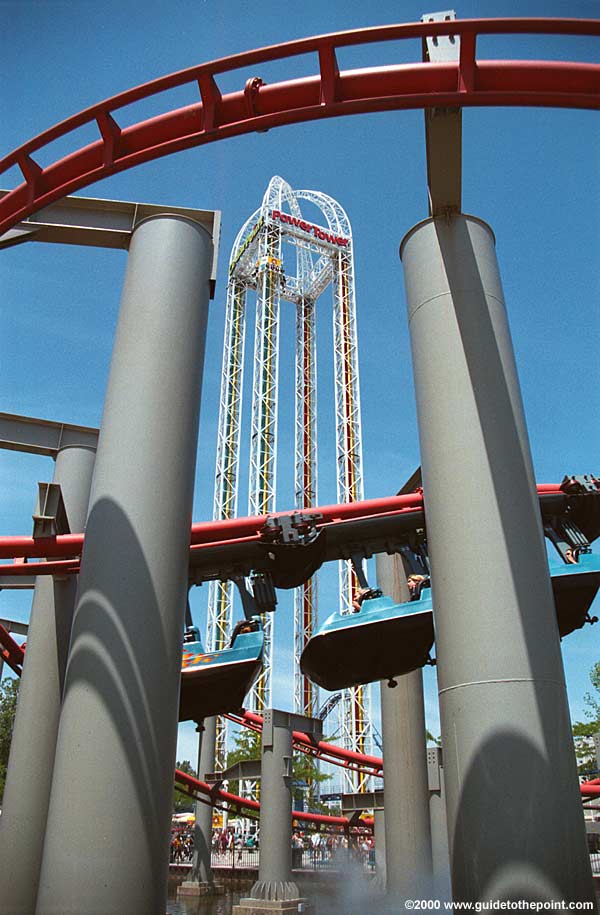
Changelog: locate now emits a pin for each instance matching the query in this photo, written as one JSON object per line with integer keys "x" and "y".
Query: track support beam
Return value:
{"x": 31, "y": 762}
{"x": 201, "y": 881}
{"x": 407, "y": 828}
{"x": 275, "y": 891}
{"x": 118, "y": 730}
{"x": 508, "y": 749}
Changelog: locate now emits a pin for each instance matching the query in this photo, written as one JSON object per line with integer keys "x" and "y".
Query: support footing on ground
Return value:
{"x": 196, "y": 888}
{"x": 251, "y": 906}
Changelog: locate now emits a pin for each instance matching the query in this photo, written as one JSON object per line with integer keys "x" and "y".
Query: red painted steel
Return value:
{"x": 195, "y": 786}
{"x": 233, "y": 800}
{"x": 329, "y": 93}
{"x": 211, "y": 533}
{"x": 11, "y": 652}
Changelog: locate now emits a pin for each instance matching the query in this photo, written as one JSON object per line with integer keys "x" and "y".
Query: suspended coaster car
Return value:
{"x": 384, "y": 640}
{"x": 575, "y": 586}
{"x": 216, "y": 682}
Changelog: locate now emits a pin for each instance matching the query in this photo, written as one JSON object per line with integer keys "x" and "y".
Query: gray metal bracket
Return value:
{"x": 276, "y": 718}
{"x": 294, "y": 529}
{"x": 246, "y": 768}
{"x": 50, "y": 516}
{"x": 43, "y": 436}
{"x": 438, "y": 48}
{"x": 15, "y": 626}
{"x": 103, "y": 224}
{"x": 434, "y": 764}
{"x": 288, "y": 767}
{"x": 367, "y": 800}
{"x": 443, "y": 129}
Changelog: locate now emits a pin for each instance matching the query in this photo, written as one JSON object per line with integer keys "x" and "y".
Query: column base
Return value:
{"x": 195, "y": 888}
{"x": 251, "y": 906}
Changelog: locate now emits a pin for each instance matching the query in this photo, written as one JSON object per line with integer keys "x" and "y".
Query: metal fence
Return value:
{"x": 302, "y": 859}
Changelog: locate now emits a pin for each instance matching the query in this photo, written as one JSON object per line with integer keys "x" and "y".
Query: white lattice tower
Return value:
{"x": 305, "y": 597}
{"x": 355, "y": 708}
{"x": 220, "y": 600}
{"x": 322, "y": 258}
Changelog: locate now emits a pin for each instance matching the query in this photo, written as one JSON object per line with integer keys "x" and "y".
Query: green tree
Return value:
{"x": 9, "y": 691}
{"x": 583, "y": 731}
{"x": 306, "y": 772}
{"x": 246, "y": 746}
{"x": 183, "y": 802}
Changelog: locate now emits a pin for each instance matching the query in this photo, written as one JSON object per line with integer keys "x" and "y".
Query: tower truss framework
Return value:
{"x": 323, "y": 258}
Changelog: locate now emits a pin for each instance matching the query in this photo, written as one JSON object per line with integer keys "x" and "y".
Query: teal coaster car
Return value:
{"x": 384, "y": 640}
{"x": 216, "y": 682}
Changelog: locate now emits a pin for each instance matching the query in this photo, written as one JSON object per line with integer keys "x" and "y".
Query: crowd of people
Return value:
{"x": 309, "y": 849}
{"x": 182, "y": 844}
{"x": 323, "y": 847}
{"x": 223, "y": 841}
{"x": 314, "y": 849}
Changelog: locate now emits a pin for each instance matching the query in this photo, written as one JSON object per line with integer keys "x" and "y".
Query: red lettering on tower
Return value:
{"x": 309, "y": 227}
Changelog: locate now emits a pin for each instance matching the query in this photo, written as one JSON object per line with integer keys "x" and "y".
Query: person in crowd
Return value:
{"x": 315, "y": 844}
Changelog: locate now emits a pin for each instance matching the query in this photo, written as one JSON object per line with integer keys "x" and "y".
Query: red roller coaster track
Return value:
{"x": 329, "y": 93}
{"x": 65, "y": 547}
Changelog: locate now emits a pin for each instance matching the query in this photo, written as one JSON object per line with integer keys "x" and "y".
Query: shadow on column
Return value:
{"x": 124, "y": 667}
{"x": 541, "y": 813}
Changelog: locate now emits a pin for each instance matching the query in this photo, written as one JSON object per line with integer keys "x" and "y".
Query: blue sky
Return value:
{"x": 531, "y": 173}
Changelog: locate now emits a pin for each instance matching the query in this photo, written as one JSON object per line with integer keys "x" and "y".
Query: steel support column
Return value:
{"x": 31, "y": 762}
{"x": 407, "y": 825}
{"x": 201, "y": 878}
{"x": 274, "y": 890}
{"x": 107, "y": 848}
{"x": 380, "y": 853}
{"x": 439, "y": 825}
{"x": 508, "y": 750}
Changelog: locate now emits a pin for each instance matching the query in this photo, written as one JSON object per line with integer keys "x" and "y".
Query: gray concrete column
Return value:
{"x": 107, "y": 839}
{"x": 407, "y": 825}
{"x": 201, "y": 878}
{"x": 275, "y": 868}
{"x": 31, "y": 762}
{"x": 201, "y": 868}
{"x": 515, "y": 821}
{"x": 380, "y": 862}
{"x": 439, "y": 825}
{"x": 275, "y": 891}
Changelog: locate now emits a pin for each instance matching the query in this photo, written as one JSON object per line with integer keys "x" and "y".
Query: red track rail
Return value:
{"x": 329, "y": 93}
{"x": 210, "y": 533}
{"x": 205, "y": 533}
{"x": 11, "y": 652}
{"x": 193, "y": 786}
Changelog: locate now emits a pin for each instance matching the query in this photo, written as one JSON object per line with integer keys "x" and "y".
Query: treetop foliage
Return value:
{"x": 9, "y": 691}
{"x": 583, "y": 731}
